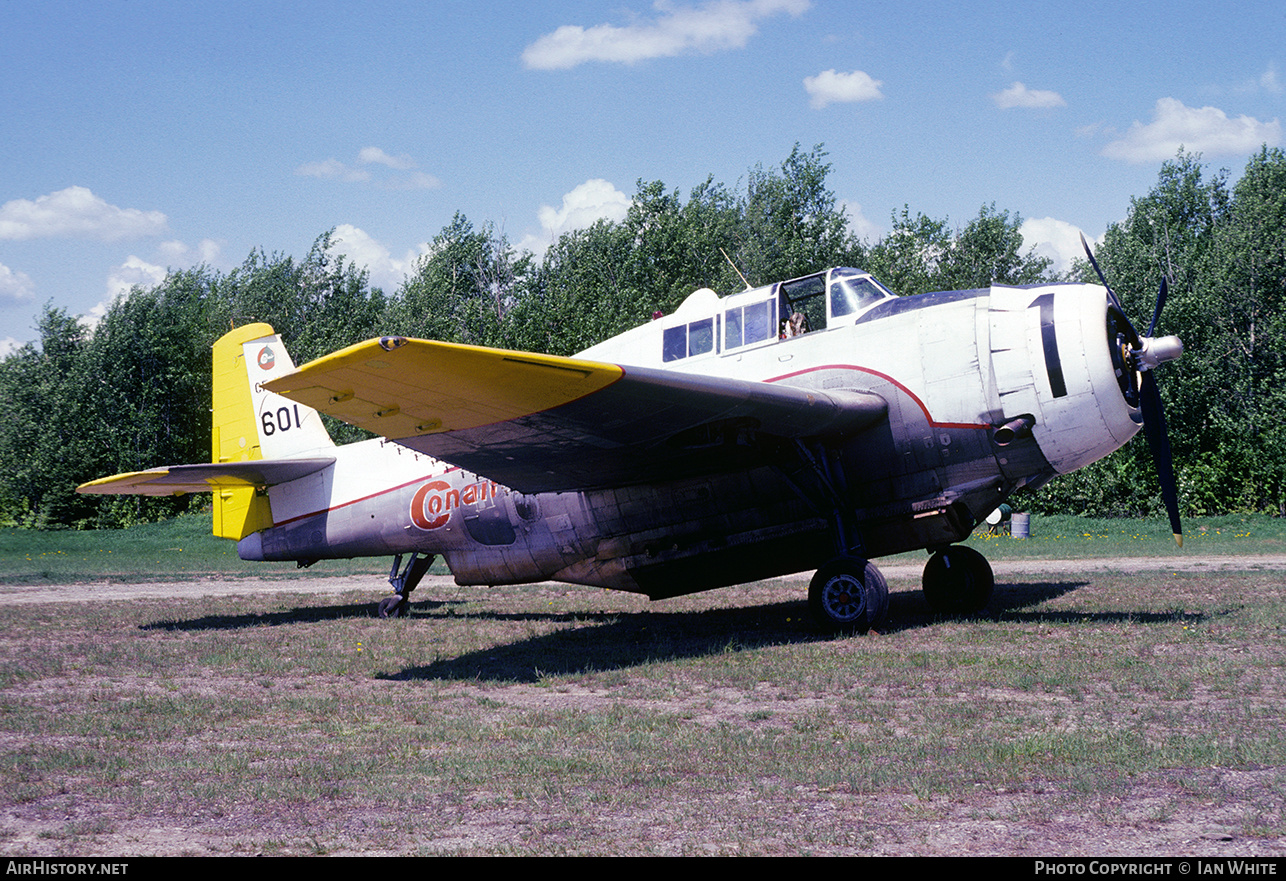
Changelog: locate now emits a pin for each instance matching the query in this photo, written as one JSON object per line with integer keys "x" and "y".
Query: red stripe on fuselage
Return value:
{"x": 382, "y": 492}
{"x": 884, "y": 376}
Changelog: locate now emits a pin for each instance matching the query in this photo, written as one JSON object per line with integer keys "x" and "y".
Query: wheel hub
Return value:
{"x": 844, "y": 597}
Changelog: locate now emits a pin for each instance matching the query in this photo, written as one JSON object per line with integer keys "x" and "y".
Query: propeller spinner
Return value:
{"x": 1136, "y": 356}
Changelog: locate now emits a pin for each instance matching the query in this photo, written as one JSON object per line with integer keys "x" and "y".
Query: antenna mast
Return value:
{"x": 734, "y": 268}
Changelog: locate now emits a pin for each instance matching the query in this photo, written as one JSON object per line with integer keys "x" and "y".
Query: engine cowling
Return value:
{"x": 1056, "y": 357}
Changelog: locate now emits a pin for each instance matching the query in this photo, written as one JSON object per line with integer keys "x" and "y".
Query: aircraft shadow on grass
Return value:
{"x": 622, "y": 640}
{"x": 603, "y": 641}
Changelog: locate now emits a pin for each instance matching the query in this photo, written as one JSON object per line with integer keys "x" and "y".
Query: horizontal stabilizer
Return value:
{"x": 175, "y": 480}
{"x": 541, "y": 423}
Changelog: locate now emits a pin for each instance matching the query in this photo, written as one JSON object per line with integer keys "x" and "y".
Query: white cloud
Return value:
{"x": 1205, "y": 130}
{"x": 674, "y": 30}
{"x": 134, "y": 272}
{"x": 363, "y": 250}
{"x": 416, "y": 180}
{"x": 9, "y": 345}
{"x": 859, "y": 224}
{"x": 76, "y": 212}
{"x": 1268, "y": 80}
{"x": 1019, "y": 95}
{"x": 830, "y": 87}
{"x": 333, "y": 169}
{"x": 177, "y": 253}
{"x": 1058, "y": 240}
{"x": 594, "y": 200}
{"x": 374, "y": 155}
{"x": 15, "y": 287}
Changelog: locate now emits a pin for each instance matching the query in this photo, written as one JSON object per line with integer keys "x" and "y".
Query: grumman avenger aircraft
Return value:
{"x": 815, "y": 423}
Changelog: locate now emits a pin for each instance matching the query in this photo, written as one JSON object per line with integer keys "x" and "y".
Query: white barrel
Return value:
{"x": 1021, "y": 525}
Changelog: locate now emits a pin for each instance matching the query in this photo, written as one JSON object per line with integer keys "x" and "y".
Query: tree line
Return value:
{"x": 134, "y": 392}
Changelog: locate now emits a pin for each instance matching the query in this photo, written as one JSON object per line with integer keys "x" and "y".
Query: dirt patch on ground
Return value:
{"x": 1196, "y": 811}
{"x": 107, "y": 591}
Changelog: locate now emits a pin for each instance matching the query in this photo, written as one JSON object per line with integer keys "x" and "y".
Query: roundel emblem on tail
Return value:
{"x": 266, "y": 358}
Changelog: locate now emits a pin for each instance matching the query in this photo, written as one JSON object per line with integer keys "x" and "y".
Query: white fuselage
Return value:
{"x": 953, "y": 368}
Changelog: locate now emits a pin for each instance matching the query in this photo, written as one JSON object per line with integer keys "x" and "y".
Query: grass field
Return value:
{"x": 1085, "y": 713}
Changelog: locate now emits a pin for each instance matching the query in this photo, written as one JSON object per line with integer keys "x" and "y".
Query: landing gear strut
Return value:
{"x": 849, "y": 594}
{"x": 397, "y": 605}
{"x": 958, "y": 581}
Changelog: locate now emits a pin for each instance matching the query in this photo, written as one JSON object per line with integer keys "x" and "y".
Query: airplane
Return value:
{"x": 811, "y": 424}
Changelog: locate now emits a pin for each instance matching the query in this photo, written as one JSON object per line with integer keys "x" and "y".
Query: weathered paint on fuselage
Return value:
{"x": 952, "y": 367}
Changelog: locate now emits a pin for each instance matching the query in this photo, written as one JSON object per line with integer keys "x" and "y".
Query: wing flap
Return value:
{"x": 542, "y": 423}
{"x": 176, "y": 480}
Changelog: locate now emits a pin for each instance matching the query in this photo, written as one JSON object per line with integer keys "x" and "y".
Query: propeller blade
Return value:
{"x": 1116, "y": 301}
{"x": 1156, "y": 313}
{"x": 1154, "y": 428}
{"x": 1135, "y": 341}
{"x": 1149, "y": 400}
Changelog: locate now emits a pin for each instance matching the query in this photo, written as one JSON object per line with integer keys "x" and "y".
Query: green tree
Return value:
{"x": 317, "y": 305}
{"x": 909, "y": 258}
{"x": 791, "y": 223}
{"x": 922, "y": 254}
{"x": 1241, "y": 282}
{"x": 989, "y": 251}
{"x": 464, "y": 289}
{"x": 584, "y": 292}
{"x": 42, "y": 435}
{"x": 606, "y": 279}
{"x": 147, "y": 395}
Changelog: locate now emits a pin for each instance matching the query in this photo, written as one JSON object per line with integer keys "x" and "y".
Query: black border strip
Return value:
{"x": 1049, "y": 341}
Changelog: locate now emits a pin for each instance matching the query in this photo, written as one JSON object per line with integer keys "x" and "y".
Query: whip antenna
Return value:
{"x": 734, "y": 268}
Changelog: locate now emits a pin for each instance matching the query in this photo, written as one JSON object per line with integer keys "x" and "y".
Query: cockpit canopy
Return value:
{"x": 777, "y": 311}
{"x": 707, "y": 325}
{"x": 852, "y": 290}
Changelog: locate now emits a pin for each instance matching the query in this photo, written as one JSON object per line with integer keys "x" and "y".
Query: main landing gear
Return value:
{"x": 958, "y": 581}
{"x": 397, "y": 605}
{"x": 849, "y": 594}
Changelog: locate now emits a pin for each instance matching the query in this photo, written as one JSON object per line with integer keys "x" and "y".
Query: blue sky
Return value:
{"x": 139, "y": 135}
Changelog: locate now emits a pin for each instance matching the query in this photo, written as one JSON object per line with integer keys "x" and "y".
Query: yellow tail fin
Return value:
{"x": 235, "y": 437}
{"x": 252, "y": 423}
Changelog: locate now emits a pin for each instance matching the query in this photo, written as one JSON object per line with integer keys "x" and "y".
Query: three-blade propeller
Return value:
{"x": 1139, "y": 355}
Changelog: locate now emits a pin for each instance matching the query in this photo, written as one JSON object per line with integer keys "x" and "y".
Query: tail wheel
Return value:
{"x": 849, "y": 594}
{"x": 958, "y": 581}
{"x": 394, "y": 607}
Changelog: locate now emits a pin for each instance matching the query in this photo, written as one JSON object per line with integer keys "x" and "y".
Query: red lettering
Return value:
{"x": 426, "y": 509}
{"x": 432, "y": 504}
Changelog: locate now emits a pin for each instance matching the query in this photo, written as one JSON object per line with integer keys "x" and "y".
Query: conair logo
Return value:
{"x": 266, "y": 358}
{"x": 432, "y": 504}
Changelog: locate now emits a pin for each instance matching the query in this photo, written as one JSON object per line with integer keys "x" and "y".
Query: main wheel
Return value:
{"x": 958, "y": 581}
{"x": 849, "y": 593}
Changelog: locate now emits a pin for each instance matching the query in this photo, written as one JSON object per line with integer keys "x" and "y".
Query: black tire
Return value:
{"x": 849, "y": 594}
{"x": 393, "y": 607}
{"x": 958, "y": 581}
